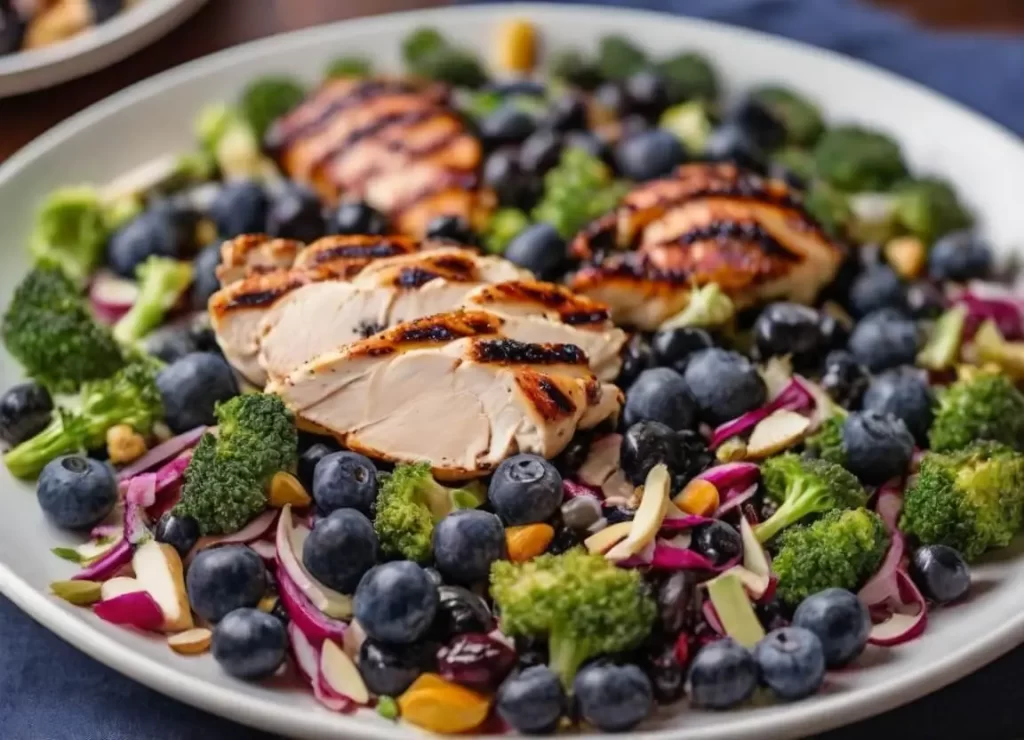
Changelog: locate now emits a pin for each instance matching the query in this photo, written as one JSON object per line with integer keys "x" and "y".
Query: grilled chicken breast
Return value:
{"x": 452, "y": 391}
{"x": 707, "y": 223}
{"x": 249, "y": 254}
{"x": 395, "y": 144}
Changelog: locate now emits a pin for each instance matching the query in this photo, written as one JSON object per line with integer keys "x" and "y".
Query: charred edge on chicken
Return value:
{"x": 510, "y": 351}
{"x": 545, "y": 396}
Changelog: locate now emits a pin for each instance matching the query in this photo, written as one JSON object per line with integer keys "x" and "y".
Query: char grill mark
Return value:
{"x": 356, "y": 247}
{"x": 265, "y": 297}
{"x": 385, "y": 122}
{"x": 581, "y": 318}
{"x": 571, "y": 309}
{"x": 430, "y": 330}
{"x": 415, "y": 277}
{"x": 511, "y": 352}
{"x": 749, "y": 232}
{"x": 550, "y": 401}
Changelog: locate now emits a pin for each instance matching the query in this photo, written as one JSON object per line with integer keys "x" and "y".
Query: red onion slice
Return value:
{"x": 161, "y": 452}
{"x": 107, "y": 565}
{"x": 111, "y": 296}
{"x": 572, "y": 489}
{"x": 136, "y": 609}
{"x": 794, "y": 397}
{"x": 142, "y": 490}
{"x": 905, "y": 622}
{"x": 254, "y": 530}
{"x": 883, "y": 587}
{"x": 731, "y": 478}
{"x": 737, "y": 500}
{"x": 307, "y": 657}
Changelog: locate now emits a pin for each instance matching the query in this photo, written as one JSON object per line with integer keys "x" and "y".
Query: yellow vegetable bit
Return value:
{"x": 517, "y": 46}
{"x": 440, "y": 706}
{"x": 906, "y": 255}
{"x": 285, "y": 489}
{"x": 79, "y": 593}
{"x": 700, "y": 497}
{"x": 528, "y": 541}
{"x": 124, "y": 444}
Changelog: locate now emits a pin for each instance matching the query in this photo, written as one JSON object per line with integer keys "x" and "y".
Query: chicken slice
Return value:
{"x": 450, "y": 390}
{"x": 249, "y": 254}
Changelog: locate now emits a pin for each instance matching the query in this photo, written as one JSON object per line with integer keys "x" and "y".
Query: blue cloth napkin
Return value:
{"x": 50, "y": 691}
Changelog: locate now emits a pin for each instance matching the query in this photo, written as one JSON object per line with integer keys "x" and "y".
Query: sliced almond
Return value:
{"x": 654, "y": 503}
{"x": 158, "y": 568}
{"x": 191, "y": 642}
{"x": 119, "y": 587}
{"x": 602, "y": 541}
{"x": 777, "y": 432}
{"x": 341, "y": 674}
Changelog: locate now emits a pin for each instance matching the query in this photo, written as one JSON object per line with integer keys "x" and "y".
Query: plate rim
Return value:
{"x": 827, "y": 712}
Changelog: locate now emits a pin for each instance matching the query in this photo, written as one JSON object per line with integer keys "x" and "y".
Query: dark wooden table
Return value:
{"x": 985, "y": 706}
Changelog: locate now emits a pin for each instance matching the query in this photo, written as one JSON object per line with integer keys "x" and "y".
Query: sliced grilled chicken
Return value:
{"x": 346, "y": 255}
{"x": 254, "y": 253}
{"x": 395, "y": 144}
{"x": 450, "y": 390}
{"x": 708, "y": 223}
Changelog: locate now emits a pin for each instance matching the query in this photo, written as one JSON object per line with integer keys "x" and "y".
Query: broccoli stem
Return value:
{"x": 29, "y": 458}
{"x": 565, "y": 656}
{"x": 796, "y": 506}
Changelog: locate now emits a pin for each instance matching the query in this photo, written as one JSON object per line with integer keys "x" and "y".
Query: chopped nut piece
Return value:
{"x": 124, "y": 444}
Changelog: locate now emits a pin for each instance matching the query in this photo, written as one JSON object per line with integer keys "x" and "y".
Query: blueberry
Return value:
{"x": 104, "y": 10}
{"x": 722, "y": 675}
{"x": 730, "y": 143}
{"x": 396, "y": 602}
{"x": 540, "y": 152}
{"x": 77, "y": 492}
{"x": 567, "y": 113}
{"x": 590, "y": 143}
{"x": 646, "y": 93}
{"x": 222, "y": 579}
{"x": 791, "y": 662}
{"x": 761, "y": 125}
{"x": 649, "y": 155}
{"x": 12, "y": 29}
{"x": 311, "y": 456}
{"x": 665, "y": 672}
{"x": 25, "y": 410}
{"x": 884, "y": 339}
{"x": 844, "y": 379}
{"x": 878, "y": 446}
{"x": 451, "y": 229}
{"x": 192, "y": 386}
{"x": 790, "y": 329}
{"x": 941, "y": 573}
{"x": 517, "y": 88}
{"x": 180, "y": 532}
{"x": 204, "y": 280}
{"x": 575, "y": 453}
{"x": 724, "y": 385}
{"x": 674, "y": 347}
{"x": 678, "y": 603}
{"x": 539, "y": 249}
{"x": 509, "y": 124}
{"x": 613, "y": 698}
{"x": 648, "y": 443}
{"x": 531, "y": 701}
{"x": 525, "y": 489}
{"x": 295, "y": 213}
{"x": 925, "y": 300}
{"x": 434, "y": 576}
{"x": 356, "y": 217}
{"x": 875, "y": 288}
{"x": 249, "y": 644}
{"x": 345, "y": 480}
{"x": 388, "y": 670}
{"x": 240, "y": 207}
{"x": 612, "y": 97}
{"x": 466, "y": 542}
{"x": 906, "y": 394}
{"x": 157, "y": 231}
{"x": 504, "y": 174}
{"x": 661, "y": 395}
{"x": 960, "y": 256}
{"x": 170, "y": 343}
{"x": 717, "y": 541}
{"x": 636, "y": 357}
{"x": 459, "y": 610}
{"x": 841, "y": 622}
{"x": 340, "y": 549}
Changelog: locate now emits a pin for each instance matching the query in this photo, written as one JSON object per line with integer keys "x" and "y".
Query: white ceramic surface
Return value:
{"x": 95, "y": 48}
{"x": 154, "y": 117}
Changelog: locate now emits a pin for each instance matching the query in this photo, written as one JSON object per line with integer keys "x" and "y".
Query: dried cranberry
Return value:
{"x": 666, "y": 673}
{"x": 476, "y": 661}
{"x": 460, "y": 610}
{"x": 388, "y": 670}
{"x": 682, "y": 649}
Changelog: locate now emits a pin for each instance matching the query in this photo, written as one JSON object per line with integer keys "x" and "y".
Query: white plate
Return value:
{"x": 94, "y": 48}
{"x": 154, "y": 117}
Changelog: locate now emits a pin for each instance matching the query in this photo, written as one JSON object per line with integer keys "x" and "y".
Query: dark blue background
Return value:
{"x": 50, "y": 691}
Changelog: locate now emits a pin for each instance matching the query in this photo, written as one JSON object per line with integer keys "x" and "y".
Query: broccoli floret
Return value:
{"x": 800, "y": 118}
{"x": 689, "y": 122}
{"x": 799, "y": 162}
{"x": 349, "y": 67}
{"x": 162, "y": 281}
{"x": 827, "y": 442}
{"x": 943, "y": 346}
{"x": 226, "y": 479}
{"x": 579, "y": 189}
{"x": 986, "y": 407}
{"x": 801, "y": 487}
{"x": 130, "y": 396}
{"x": 575, "y": 69}
{"x": 689, "y": 76}
{"x": 585, "y": 606}
{"x": 503, "y": 227}
{"x": 843, "y": 549}
{"x": 829, "y": 207}
{"x": 428, "y": 54}
{"x": 618, "y": 57}
{"x": 48, "y": 328}
{"x": 857, "y": 160}
{"x": 928, "y": 208}
{"x": 708, "y": 307}
{"x": 71, "y": 231}
{"x": 420, "y": 44}
{"x": 265, "y": 100}
{"x": 231, "y": 141}
{"x": 409, "y": 503}
{"x": 971, "y": 500}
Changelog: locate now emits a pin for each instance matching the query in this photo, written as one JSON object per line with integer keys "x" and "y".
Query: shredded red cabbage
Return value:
{"x": 794, "y": 397}
{"x": 162, "y": 452}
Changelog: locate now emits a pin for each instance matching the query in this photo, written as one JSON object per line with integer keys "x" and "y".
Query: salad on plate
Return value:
{"x": 520, "y": 398}
{"x": 36, "y": 24}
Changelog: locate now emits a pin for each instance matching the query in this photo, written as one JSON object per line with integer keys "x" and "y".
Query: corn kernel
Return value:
{"x": 517, "y": 46}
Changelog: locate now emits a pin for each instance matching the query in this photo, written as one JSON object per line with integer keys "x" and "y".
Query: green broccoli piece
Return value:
{"x": 799, "y": 162}
{"x": 573, "y": 68}
{"x": 71, "y": 231}
{"x": 50, "y": 331}
{"x": 585, "y": 605}
{"x": 708, "y": 307}
{"x": 856, "y": 160}
{"x": 232, "y": 143}
{"x": 227, "y": 477}
{"x": 503, "y": 227}
{"x": 971, "y": 500}
{"x": 689, "y": 76}
{"x": 123, "y": 209}
{"x": 827, "y": 443}
{"x": 928, "y": 208}
{"x": 829, "y": 207}
{"x": 943, "y": 346}
{"x": 802, "y": 487}
{"x": 618, "y": 57}
{"x": 800, "y": 118}
{"x": 842, "y": 549}
{"x": 986, "y": 407}
{"x": 689, "y": 122}
{"x": 162, "y": 281}
{"x": 576, "y": 191}
{"x": 428, "y": 54}
{"x": 349, "y": 67}
{"x": 130, "y": 396}
{"x": 410, "y": 502}
{"x": 265, "y": 100}
{"x": 420, "y": 44}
